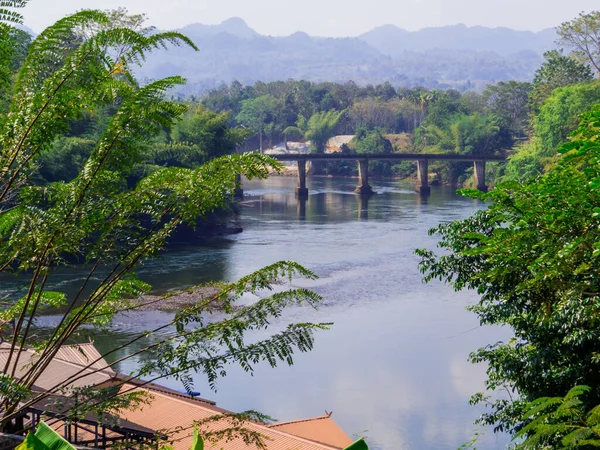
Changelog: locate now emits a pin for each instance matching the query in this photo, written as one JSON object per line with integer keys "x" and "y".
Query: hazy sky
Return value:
{"x": 328, "y": 17}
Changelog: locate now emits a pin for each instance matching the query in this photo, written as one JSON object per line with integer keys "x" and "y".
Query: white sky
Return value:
{"x": 328, "y": 17}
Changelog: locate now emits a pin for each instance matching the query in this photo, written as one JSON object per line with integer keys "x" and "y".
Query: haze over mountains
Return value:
{"x": 453, "y": 56}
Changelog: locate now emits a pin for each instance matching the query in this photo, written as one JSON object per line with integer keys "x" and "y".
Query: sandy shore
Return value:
{"x": 177, "y": 300}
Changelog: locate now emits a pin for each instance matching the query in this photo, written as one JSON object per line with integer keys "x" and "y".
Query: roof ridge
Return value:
{"x": 310, "y": 419}
{"x": 175, "y": 398}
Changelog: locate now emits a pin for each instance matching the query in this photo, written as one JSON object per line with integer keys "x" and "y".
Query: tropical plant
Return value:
{"x": 532, "y": 256}
{"x": 568, "y": 422}
{"x": 320, "y": 128}
{"x": 97, "y": 219}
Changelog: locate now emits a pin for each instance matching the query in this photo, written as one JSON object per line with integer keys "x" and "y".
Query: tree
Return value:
{"x": 509, "y": 102}
{"x": 210, "y": 131}
{"x": 98, "y": 219}
{"x": 373, "y": 141}
{"x": 292, "y": 133}
{"x": 373, "y": 113}
{"x": 466, "y": 135}
{"x": 561, "y": 113}
{"x": 532, "y": 256}
{"x": 320, "y": 128}
{"x": 257, "y": 113}
{"x": 582, "y": 34}
{"x": 558, "y": 70}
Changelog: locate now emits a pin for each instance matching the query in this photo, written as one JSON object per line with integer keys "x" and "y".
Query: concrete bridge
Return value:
{"x": 364, "y": 188}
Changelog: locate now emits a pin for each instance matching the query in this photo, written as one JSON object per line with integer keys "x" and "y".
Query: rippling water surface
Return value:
{"x": 394, "y": 366}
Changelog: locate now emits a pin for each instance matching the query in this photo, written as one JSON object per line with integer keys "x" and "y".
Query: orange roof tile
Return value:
{"x": 320, "y": 429}
{"x": 57, "y": 371}
{"x": 84, "y": 355}
{"x": 176, "y": 417}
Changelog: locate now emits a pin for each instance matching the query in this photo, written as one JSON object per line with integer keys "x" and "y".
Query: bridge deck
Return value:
{"x": 386, "y": 157}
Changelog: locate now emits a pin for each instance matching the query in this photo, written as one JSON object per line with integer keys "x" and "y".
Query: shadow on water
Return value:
{"x": 394, "y": 366}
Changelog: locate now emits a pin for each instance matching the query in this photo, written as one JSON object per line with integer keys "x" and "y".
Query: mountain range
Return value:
{"x": 452, "y": 56}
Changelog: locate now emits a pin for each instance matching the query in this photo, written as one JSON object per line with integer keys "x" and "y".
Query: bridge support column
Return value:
{"x": 363, "y": 187}
{"x": 238, "y": 192}
{"x": 480, "y": 176}
{"x": 423, "y": 177}
{"x": 302, "y": 190}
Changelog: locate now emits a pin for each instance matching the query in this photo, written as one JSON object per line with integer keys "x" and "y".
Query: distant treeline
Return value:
{"x": 523, "y": 120}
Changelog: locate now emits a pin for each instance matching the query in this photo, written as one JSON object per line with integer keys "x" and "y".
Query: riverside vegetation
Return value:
{"x": 76, "y": 70}
{"x": 100, "y": 169}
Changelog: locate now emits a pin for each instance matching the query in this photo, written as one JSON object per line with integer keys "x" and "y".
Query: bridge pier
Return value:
{"x": 480, "y": 176}
{"x": 423, "y": 177}
{"x": 302, "y": 190}
{"x": 238, "y": 192}
{"x": 363, "y": 187}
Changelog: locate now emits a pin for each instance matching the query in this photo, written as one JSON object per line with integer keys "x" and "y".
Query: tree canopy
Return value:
{"x": 582, "y": 35}
{"x": 532, "y": 256}
{"x": 96, "y": 217}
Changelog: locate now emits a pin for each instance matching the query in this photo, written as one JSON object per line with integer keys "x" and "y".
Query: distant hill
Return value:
{"x": 391, "y": 40}
{"x": 454, "y": 56}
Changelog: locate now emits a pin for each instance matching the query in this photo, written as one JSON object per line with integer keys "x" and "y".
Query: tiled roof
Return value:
{"x": 57, "y": 371}
{"x": 171, "y": 414}
{"x": 84, "y": 355}
{"x": 172, "y": 411}
{"x": 320, "y": 429}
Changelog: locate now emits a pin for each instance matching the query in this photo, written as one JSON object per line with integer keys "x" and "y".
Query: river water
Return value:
{"x": 394, "y": 366}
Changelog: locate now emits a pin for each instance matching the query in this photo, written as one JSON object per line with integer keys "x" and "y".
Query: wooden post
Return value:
{"x": 480, "y": 176}
{"x": 363, "y": 187}
{"x": 423, "y": 177}
{"x": 302, "y": 190}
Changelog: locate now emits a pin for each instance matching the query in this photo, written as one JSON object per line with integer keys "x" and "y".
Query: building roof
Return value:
{"x": 320, "y": 429}
{"x": 84, "y": 355}
{"x": 169, "y": 411}
{"x": 58, "y": 370}
{"x": 175, "y": 416}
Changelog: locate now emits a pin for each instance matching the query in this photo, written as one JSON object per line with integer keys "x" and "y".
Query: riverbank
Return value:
{"x": 181, "y": 299}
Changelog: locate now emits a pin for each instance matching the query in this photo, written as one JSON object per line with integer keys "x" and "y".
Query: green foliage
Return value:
{"x": 373, "y": 141}
{"x": 44, "y": 438}
{"x": 320, "y": 128}
{"x": 532, "y": 258}
{"x": 92, "y": 213}
{"x": 558, "y": 116}
{"x": 8, "y": 13}
{"x": 293, "y": 133}
{"x": 582, "y": 34}
{"x": 558, "y": 70}
{"x": 257, "y": 114}
{"x": 561, "y": 113}
{"x": 567, "y": 422}
{"x": 509, "y": 102}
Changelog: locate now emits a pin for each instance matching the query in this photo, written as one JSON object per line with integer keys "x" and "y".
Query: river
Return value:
{"x": 394, "y": 366}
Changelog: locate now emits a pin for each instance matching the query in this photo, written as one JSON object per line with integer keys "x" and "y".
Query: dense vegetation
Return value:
{"x": 532, "y": 256}
{"x": 99, "y": 168}
{"x": 78, "y": 182}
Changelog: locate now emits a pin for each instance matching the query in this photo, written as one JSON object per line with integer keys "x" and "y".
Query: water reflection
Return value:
{"x": 394, "y": 366}
{"x": 302, "y": 208}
